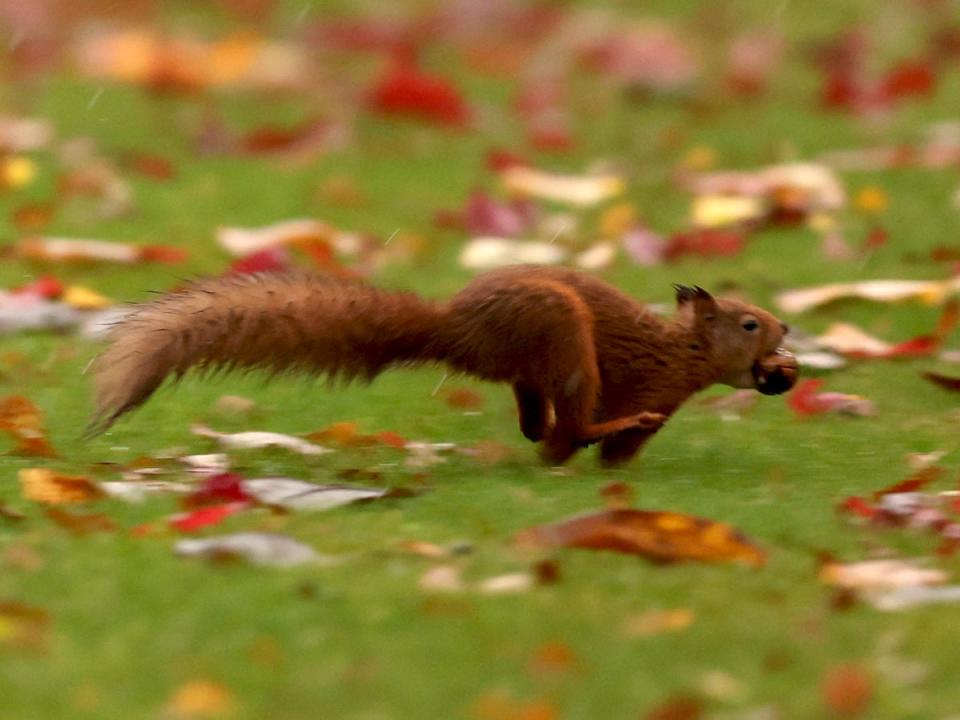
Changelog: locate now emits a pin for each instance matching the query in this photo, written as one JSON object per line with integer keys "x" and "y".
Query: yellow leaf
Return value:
{"x": 617, "y": 219}
{"x": 18, "y": 171}
{"x": 47, "y": 486}
{"x": 201, "y": 699}
{"x": 872, "y": 200}
{"x": 85, "y": 299}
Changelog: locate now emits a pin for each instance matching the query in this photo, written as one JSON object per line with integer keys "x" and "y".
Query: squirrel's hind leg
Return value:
{"x": 535, "y": 411}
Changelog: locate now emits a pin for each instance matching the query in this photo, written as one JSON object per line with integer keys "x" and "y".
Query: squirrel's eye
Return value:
{"x": 750, "y": 325}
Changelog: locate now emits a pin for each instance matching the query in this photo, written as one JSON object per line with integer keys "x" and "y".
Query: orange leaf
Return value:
{"x": 47, "y": 486}
{"x": 659, "y": 536}
{"x": 464, "y": 399}
{"x": 80, "y": 523}
{"x": 201, "y": 699}
{"x": 23, "y": 627}
{"x": 23, "y": 420}
{"x": 847, "y": 690}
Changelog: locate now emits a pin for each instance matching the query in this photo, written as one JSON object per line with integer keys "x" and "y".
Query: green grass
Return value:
{"x": 130, "y": 622}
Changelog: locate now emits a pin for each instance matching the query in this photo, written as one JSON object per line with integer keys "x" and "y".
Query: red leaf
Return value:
{"x": 269, "y": 259}
{"x": 219, "y": 488}
{"x": 913, "y": 483}
{"x": 910, "y": 77}
{"x": 659, "y": 536}
{"x": 803, "y": 399}
{"x": 705, "y": 243}
{"x": 165, "y": 254}
{"x": 404, "y": 89}
{"x": 859, "y": 506}
{"x": 917, "y": 347}
{"x": 46, "y": 286}
{"x": 847, "y": 690}
{"x": 499, "y": 160}
{"x": 207, "y": 516}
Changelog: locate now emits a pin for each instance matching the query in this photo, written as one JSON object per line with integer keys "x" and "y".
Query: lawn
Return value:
{"x": 126, "y": 629}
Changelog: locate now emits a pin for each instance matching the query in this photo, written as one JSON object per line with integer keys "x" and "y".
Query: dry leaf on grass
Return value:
{"x": 806, "y": 399}
{"x": 48, "y": 486}
{"x": 487, "y": 253}
{"x": 880, "y": 574}
{"x": 847, "y": 690}
{"x": 23, "y": 421}
{"x": 580, "y": 191}
{"x": 928, "y": 291}
{"x": 81, "y": 523}
{"x": 24, "y": 627}
{"x": 254, "y": 547}
{"x": 294, "y": 494}
{"x": 947, "y": 382}
{"x": 654, "y": 622}
{"x": 201, "y": 699}
{"x": 659, "y": 536}
{"x": 257, "y": 439}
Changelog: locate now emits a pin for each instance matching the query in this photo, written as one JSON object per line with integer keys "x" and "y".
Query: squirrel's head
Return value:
{"x": 742, "y": 342}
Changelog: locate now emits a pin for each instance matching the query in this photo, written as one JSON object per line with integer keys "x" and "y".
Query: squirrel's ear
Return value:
{"x": 685, "y": 294}
{"x": 704, "y": 306}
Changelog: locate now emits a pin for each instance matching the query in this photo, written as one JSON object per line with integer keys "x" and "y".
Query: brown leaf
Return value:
{"x": 847, "y": 690}
{"x": 47, "y": 486}
{"x": 553, "y": 658}
{"x": 23, "y": 627}
{"x": 662, "y": 537}
{"x": 23, "y": 421}
{"x": 464, "y": 399}
{"x": 11, "y": 515}
{"x": 81, "y": 523}
{"x": 497, "y": 705}
{"x": 201, "y": 699}
{"x": 654, "y": 622}
{"x": 617, "y": 495}
{"x": 680, "y": 707}
{"x": 33, "y": 218}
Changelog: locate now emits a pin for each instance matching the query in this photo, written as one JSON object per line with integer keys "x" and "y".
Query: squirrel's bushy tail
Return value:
{"x": 272, "y": 321}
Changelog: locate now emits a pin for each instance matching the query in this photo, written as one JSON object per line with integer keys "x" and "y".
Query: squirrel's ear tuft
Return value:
{"x": 685, "y": 293}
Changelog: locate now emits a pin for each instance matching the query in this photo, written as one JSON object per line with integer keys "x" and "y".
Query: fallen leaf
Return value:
{"x": 441, "y": 578}
{"x": 256, "y": 439}
{"x": 405, "y": 89}
{"x": 679, "y": 707}
{"x": 464, "y": 399}
{"x": 880, "y": 574}
{"x": 659, "y": 536}
{"x": 932, "y": 292}
{"x": 219, "y": 488}
{"x": 85, "y": 299}
{"x": 23, "y": 421}
{"x": 487, "y": 253}
{"x": 655, "y": 622}
{"x": 48, "y": 486}
{"x": 201, "y": 699}
{"x": 910, "y": 597}
{"x": 581, "y": 191}
{"x": 57, "y": 249}
{"x": 254, "y": 547}
{"x": 508, "y": 584}
{"x": 847, "y": 690}
{"x": 497, "y": 705}
{"x": 206, "y": 516}
{"x": 806, "y": 399}
{"x": 81, "y": 523}
{"x": 24, "y": 627}
{"x": 617, "y": 495}
{"x": 299, "y": 495}
{"x": 136, "y": 491}
{"x": 552, "y": 658}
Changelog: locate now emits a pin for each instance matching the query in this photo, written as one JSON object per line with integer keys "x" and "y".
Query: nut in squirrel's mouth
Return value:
{"x": 776, "y": 373}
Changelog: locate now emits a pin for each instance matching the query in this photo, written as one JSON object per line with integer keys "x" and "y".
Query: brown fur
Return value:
{"x": 586, "y": 362}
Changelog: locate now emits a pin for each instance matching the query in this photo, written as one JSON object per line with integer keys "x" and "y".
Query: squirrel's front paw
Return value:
{"x": 649, "y": 420}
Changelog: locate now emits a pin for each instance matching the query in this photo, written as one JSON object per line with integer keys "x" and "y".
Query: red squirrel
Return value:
{"x": 587, "y": 363}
